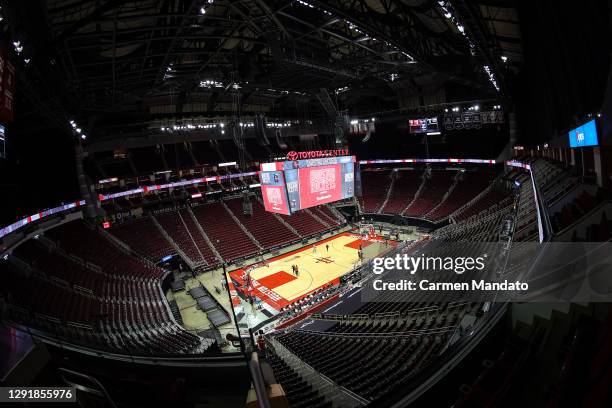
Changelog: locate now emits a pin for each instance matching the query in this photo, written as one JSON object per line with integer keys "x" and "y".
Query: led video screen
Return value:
{"x": 274, "y": 192}
{"x": 319, "y": 185}
{"x": 313, "y": 182}
{"x": 425, "y": 125}
{"x": 585, "y": 135}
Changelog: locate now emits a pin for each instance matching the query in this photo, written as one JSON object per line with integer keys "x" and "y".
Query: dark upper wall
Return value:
{"x": 567, "y": 49}
{"x": 394, "y": 141}
{"x": 38, "y": 173}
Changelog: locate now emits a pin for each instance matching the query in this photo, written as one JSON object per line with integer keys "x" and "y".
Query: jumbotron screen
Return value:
{"x": 274, "y": 192}
{"x": 425, "y": 125}
{"x": 584, "y": 135}
{"x": 308, "y": 182}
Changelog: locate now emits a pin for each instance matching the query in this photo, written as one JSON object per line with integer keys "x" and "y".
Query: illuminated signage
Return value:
{"x": 227, "y": 164}
{"x": 585, "y": 135}
{"x": 35, "y": 217}
{"x": 515, "y": 163}
{"x": 313, "y": 154}
{"x": 475, "y": 161}
{"x": 425, "y": 125}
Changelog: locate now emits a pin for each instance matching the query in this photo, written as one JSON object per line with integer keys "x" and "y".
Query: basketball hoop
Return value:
{"x": 367, "y": 231}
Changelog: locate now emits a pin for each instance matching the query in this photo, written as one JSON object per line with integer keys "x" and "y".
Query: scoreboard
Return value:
{"x": 274, "y": 191}
{"x": 425, "y": 125}
{"x": 290, "y": 186}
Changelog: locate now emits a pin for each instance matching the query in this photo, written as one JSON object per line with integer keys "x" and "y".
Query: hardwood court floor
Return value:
{"x": 275, "y": 283}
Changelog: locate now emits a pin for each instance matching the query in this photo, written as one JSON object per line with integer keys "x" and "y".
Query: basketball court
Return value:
{"x": 318, "y": 265}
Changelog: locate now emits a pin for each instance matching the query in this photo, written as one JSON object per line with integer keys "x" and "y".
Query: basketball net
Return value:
{"x": 248, "y": 281}
{"x": 368, "y": 231}
{"x": 247, "y": 274}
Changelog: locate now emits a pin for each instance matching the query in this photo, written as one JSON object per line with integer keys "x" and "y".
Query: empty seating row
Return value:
{"x": 117, "y": 305}
{"x": 483, "y": 203}
{"x": 370, "y": 367}
{"x": 573, "y": 211}
{"x": 225, "y": 234}
{"x": 471, "y": 185}
{"x": 305, "y": 224}
{"x": 143, "y": 237}
{"x": 299, "y": 393}
{"x": 82, "y": 240}
{"x": 326, "y": 214}
{"x": 432, "y": 193}
{"x": 202, "y": 245}
{"x": 172, "y": 222}
{"x": 375, "y": 184}
{"x": 263, "y": 225}
{"x": 57, "y": 265}
{"x": 406, "y": 185}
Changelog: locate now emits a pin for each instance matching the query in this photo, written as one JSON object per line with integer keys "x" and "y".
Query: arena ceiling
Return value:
{"x": 118, "y": 65}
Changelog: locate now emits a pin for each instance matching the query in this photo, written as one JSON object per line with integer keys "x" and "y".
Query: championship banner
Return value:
{"x": 472, "y": 120}
{"x": 361, "y": 128}
{"x": 7, "y": 84}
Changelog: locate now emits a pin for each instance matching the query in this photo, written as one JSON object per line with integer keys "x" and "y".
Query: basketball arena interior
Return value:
{"x": 216, "y": 203}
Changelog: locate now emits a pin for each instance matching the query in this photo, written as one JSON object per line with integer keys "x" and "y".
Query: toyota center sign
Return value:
{"x": 314, "y": 154}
